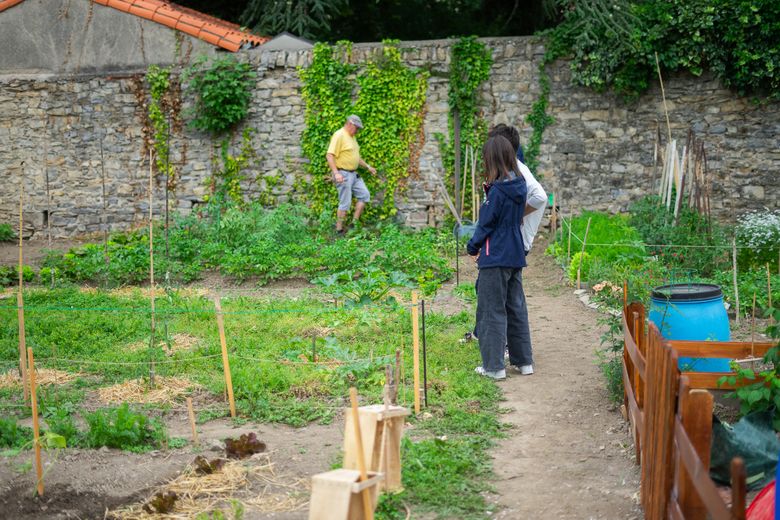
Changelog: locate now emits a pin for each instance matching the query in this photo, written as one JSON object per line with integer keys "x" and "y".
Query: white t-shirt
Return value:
{"x": 536, "y": 198}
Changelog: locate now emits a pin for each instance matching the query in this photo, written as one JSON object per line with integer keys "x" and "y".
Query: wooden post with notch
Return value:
{"x": 191, "y": 414}
{"x": 36, "y": 427}
{"x": 416, "y": 352}
{"x": 696, "y": 416}
{"x": 225, "y": 360}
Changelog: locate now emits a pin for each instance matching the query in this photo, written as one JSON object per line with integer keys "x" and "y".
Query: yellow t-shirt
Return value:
{"x": 345, "y": 149}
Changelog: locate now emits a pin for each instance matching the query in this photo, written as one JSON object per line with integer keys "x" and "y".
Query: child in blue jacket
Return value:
{"x": 498, "y": 244}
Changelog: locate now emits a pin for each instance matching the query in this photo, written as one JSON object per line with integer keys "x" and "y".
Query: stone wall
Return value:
{"x": 598, "y": 154}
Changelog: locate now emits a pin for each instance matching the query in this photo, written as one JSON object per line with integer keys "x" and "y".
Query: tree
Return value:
{"x": 306, "y": 18}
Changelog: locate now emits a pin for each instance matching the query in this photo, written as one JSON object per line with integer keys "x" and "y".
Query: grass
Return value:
{"x": 270, "y": 345}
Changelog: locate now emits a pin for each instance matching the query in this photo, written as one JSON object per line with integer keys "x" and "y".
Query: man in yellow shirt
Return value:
{"x": 344, "y": 158}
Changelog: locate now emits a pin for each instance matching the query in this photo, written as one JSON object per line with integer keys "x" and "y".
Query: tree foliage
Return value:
{"x": 306, "y": 18}
{"x": 613, "y": 42}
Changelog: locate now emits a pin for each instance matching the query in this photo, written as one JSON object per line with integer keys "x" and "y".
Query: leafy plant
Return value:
{"x": 159, "y": 79}
{"x": 764, "y": 394}
{"x": 12, "y": 435}
{"x": 223, "y": 90}
{"x": 245, "y": 446}
{"x": 364, "y": 286}
{"x": 161, "y": 503}
{"x": 226, "y": 183}
{"x": 6, "y": 233}
{"x": 124, "y": 429}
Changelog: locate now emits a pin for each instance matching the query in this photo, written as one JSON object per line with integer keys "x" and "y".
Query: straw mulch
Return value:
{"x": 179, "y": 342}
{"x": 166, "y": 391}
{"x": 43, "y": 376}
{"x": 201, "y": 494}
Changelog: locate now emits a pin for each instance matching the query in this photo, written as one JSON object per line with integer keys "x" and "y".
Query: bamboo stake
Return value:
{"x": 20, "y": 296}
{"x": 151, "y": 272}
{"x": 416, "y": 352}
{"x": 584, "y": 241}
{"x": 36, "y": 428}
{"x": 105, "y": 205}
{"x": 191, "y": 414}
{"x": 465, "y": 178}
{"x": 753, "y": 329}
{"x": 769, "y": 291}
{"x": 474, "y": 192}
{"x": 368, "y": 510}
{"x": 734, "y": 271}
{"x": 225, "y": 360}
{"x": 663, "y": 96}
{"x": 397, "y": 378}
{"x": 568, "y": 244}
{"x": 48, "y": 191}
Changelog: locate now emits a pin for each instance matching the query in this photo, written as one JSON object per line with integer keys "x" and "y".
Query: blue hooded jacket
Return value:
{"x": 498, "y": 230}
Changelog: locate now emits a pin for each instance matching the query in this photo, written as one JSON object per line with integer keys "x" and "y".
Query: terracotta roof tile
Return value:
{"x": 5, "y": 4}
{"x": 217, "y": 32}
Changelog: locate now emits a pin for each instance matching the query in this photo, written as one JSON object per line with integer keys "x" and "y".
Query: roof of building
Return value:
{"x": 213, "y": 30}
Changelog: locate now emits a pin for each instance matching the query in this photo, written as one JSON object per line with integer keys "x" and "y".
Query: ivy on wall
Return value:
{"x": 470, "y": 64}
{"x": 538, "y": 118}
{"x": 222, "y": 92}
{"x": 159, "y": 79}
{"x": 390, "y": 100}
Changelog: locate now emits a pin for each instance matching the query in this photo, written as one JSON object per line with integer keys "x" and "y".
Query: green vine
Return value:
{"x": 538, "y": 118}
{"x": 470, "y": 67}
{"x": 225, "y": 184}
{"x": 159, "y": 85}
{"x": 391, "y": 128}
{"x": 222, "y": 93}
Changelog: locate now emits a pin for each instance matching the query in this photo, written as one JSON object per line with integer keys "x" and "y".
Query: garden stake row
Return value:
{"x": 225, "y": 361}
{"x": 20, "y": 296}
{"x": 36, "y": 428}
{"x": 416, "y": 352}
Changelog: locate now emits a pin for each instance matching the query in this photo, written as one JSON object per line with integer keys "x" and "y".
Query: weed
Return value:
{"x": 6, "y": 233}
{"x": 124, "y": 429}
{"x": 12, "y": 435}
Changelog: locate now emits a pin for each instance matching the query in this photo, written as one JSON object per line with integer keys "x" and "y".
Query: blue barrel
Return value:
{"x": 695, "y": 312}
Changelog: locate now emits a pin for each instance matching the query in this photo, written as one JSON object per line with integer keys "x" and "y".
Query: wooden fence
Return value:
{"x": 670, "y": 414}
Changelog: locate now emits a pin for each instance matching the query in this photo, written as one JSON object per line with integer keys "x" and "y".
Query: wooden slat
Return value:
{"x": 709, "y": 380}
{"x": 637, "y": 358}
{"x": 635, "y": 414}
{"x": 721, "y": 349}
{"x": 700, "y": 477}
{"x": 695, "y": 413}
{"x": 674, "y": 510}
{"x": 738, "y": 489}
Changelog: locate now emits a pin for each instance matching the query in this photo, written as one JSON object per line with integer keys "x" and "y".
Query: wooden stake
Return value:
{"x": 568, "y": 244}
{"x": 769, "y": 290}
{"x": 738, "y": 488}
{"x": 36, "y": 429}
{"x": 753, "y": 329}
{"x": 474, "y": 192}
{"x": 225, "y": 361}
{"x": 582, "y": 253}
{"x": 663, "y": 96}
{"x": 20, "y": 296}
{"x": 151, "y": 272}
{"x": 368, "y": 509}
{"x": 191, "y": 413}
{"x": 465, "y": 178}
{"x": 734, "y": 273}
{"x": 416, "y": 352}
{"x": 397, "y": 378}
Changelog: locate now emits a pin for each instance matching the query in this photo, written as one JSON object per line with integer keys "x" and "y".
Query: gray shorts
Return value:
{"x": 351, "y": 185}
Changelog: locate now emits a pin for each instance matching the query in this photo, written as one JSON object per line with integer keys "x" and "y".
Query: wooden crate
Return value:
{"x": 335, "y": 495}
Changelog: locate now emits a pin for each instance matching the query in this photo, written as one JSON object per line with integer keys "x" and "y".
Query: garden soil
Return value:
{"x": 567, "y": 453}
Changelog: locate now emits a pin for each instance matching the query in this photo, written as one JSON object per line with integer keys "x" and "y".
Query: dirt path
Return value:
{"x": 569, "y": 454}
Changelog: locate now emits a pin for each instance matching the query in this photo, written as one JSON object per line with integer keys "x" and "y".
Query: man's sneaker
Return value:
{"x": 526, "y": 370}
{"x": 498, "y": 375}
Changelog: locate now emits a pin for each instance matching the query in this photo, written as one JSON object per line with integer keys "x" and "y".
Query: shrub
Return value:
{"x": 6, "y": 233}
{"x": 124, "y": 429}
{"x": 708, "y": 249}
{"x": 758, "y": 235}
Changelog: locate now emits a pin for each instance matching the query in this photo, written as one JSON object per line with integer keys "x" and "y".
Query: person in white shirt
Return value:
{"x": 536, "y": 201}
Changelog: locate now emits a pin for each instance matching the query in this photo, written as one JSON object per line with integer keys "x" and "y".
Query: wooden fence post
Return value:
{"x": 416, "y": 352}
{"x": 738, "y": 489}
{"x": 225, "y": 360}
{"x": 695, "y": 412}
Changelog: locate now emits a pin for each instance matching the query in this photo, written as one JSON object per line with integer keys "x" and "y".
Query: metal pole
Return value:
{"x": 425, "y": 357}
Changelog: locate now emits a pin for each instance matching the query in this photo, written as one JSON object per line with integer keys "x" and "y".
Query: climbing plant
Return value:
{"x": 538, "y": 118}
{"x": 225, "y": 183}
{"x": 390, "y": 99}
{"x": 222, "y": 91}
{"x": 159, "y": 79}
{"x": 470, "y": 64}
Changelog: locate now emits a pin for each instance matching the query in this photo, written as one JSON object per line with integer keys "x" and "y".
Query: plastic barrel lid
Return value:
{"x": 686, "y": 292}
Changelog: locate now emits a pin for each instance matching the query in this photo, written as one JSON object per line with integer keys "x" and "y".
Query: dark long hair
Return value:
{"x": 499, "y": 159}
